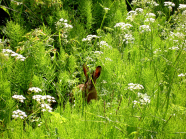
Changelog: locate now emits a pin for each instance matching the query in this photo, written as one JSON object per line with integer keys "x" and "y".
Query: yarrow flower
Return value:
{"x": 144, "y": 28}
{"x": 144, "y": 2}
{"x": 149, "y": 20}
{"x": 62, "y": 23}
{"x": 46, "y": 107}
{"x": 128, "y": 38}
{"x": 181, "y": 75}
{"x": 131, "y": 15}
{"x": 35, "y": 89}
{"x": 103, "y": 44}
{"x": 90, "y": 37}
{"x": 13, "y": 54}
{"x": 174, "y": 48}
{"x": 19, "y": 114}
{"x": 150, "y": 15}
{"x": 106, "y": 9}
{"x": 143, "y": 99}
{"x": 139, "y": 10}
{"x": 182, "y": 6}
{"x": 152, "y": 3}
{"x": 133, "y": 86}
{"x": 40, "y": 98}
{"x": 123, "y": 26}
{"x": 168, "y": 3}
{"x": 20, "y": 98}
{"x": 64, "y": 27}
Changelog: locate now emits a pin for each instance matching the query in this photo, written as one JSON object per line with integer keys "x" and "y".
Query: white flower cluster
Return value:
{"x": 168, "y": 3}
{"x": 13, "y": 54}
{"x": 139, "y": 10}
{"x": 41, "y": 99}
{"x": 144, "y": 2}
{"x": 150, "y": 20}
{"x": 143, "y": 99}
{"x": 132, "y": 14}
{"x": 182, "y": 6}
{"x": 64, "y": 27}
{"x": 177, "y": 34}
{"x": 102, "y": 44}
{"x": 174, "y": 48}
{"x": 182, "y": 75}
{"x": 123, "y": 26}
{"x": 144, "y": 28}
{"x": 90, "y": 37}
{"x": 98, "y": 52}
{"x": 35, "y": 89}
{"x": 184, "y": 12}
{"x": 20, "y": 98}
{"x": 133, "y": 86}
{"x": 106, "y": 9}
{"x": 46, "y": 107}
{"x": 62, "y": 23}
{"x": 152, "y": 3}
{"x": 19, "y": 114}
{"x": 157, "y": 51}
{"x": 150, "y": 15}
{"x": 128, "y": 39}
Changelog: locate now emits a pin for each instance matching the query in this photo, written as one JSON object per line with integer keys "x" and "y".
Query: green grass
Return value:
{"x": 50, "y": 55}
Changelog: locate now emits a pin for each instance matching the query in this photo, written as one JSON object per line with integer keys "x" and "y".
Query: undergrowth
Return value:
{"x": 141, "y": 89}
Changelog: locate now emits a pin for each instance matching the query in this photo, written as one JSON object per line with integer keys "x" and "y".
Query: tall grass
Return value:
{"x": 141, "y": 86}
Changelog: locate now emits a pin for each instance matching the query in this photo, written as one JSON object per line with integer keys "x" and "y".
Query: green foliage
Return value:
{"x": 141, "y": 89}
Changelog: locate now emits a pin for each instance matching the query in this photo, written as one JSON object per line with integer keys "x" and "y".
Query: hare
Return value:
{"x": 88, "y": 89}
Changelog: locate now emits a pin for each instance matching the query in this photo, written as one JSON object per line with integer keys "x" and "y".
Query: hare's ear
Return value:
{"x": 85, "y": 69}
{"x": 97, "y": 72}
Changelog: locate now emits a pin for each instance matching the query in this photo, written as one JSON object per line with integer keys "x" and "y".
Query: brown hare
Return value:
{"x": 88, "y": 88}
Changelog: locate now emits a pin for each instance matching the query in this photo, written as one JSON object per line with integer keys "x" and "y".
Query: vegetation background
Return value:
{"x": 140, "y": 46}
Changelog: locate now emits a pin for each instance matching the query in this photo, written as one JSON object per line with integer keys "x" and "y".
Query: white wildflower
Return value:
{"x": 20, "y": 98}
{"x": 181, "y": 75}
{"x": 133, "y": 86}
{"x": 174, "y": 48}
{"x": 131, "y": 13}
{"x": 144, "y": 28}
{"x": 19, "y": 114}
{"x": 150, "y": 15}
{"x": 128, "y": 38}
{"x": 139, "y": 10}
{"x": 182, "y": 6}
{"x": 168, "y": 3}
{"x": 98, "y": 52}
{"x": 149, "y": 20}
{"x": 90, "y": 37}
{"x": 123, "y": 26}
{"x": 35, "y": 89}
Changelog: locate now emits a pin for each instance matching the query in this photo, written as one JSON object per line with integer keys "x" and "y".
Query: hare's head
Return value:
{"x": 89, "y": 87}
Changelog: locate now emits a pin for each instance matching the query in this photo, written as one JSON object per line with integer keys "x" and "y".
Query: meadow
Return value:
{"x": 141, "y": 88}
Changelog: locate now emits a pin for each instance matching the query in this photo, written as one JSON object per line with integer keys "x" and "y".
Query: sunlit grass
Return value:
{"x": 141, "y": 89}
